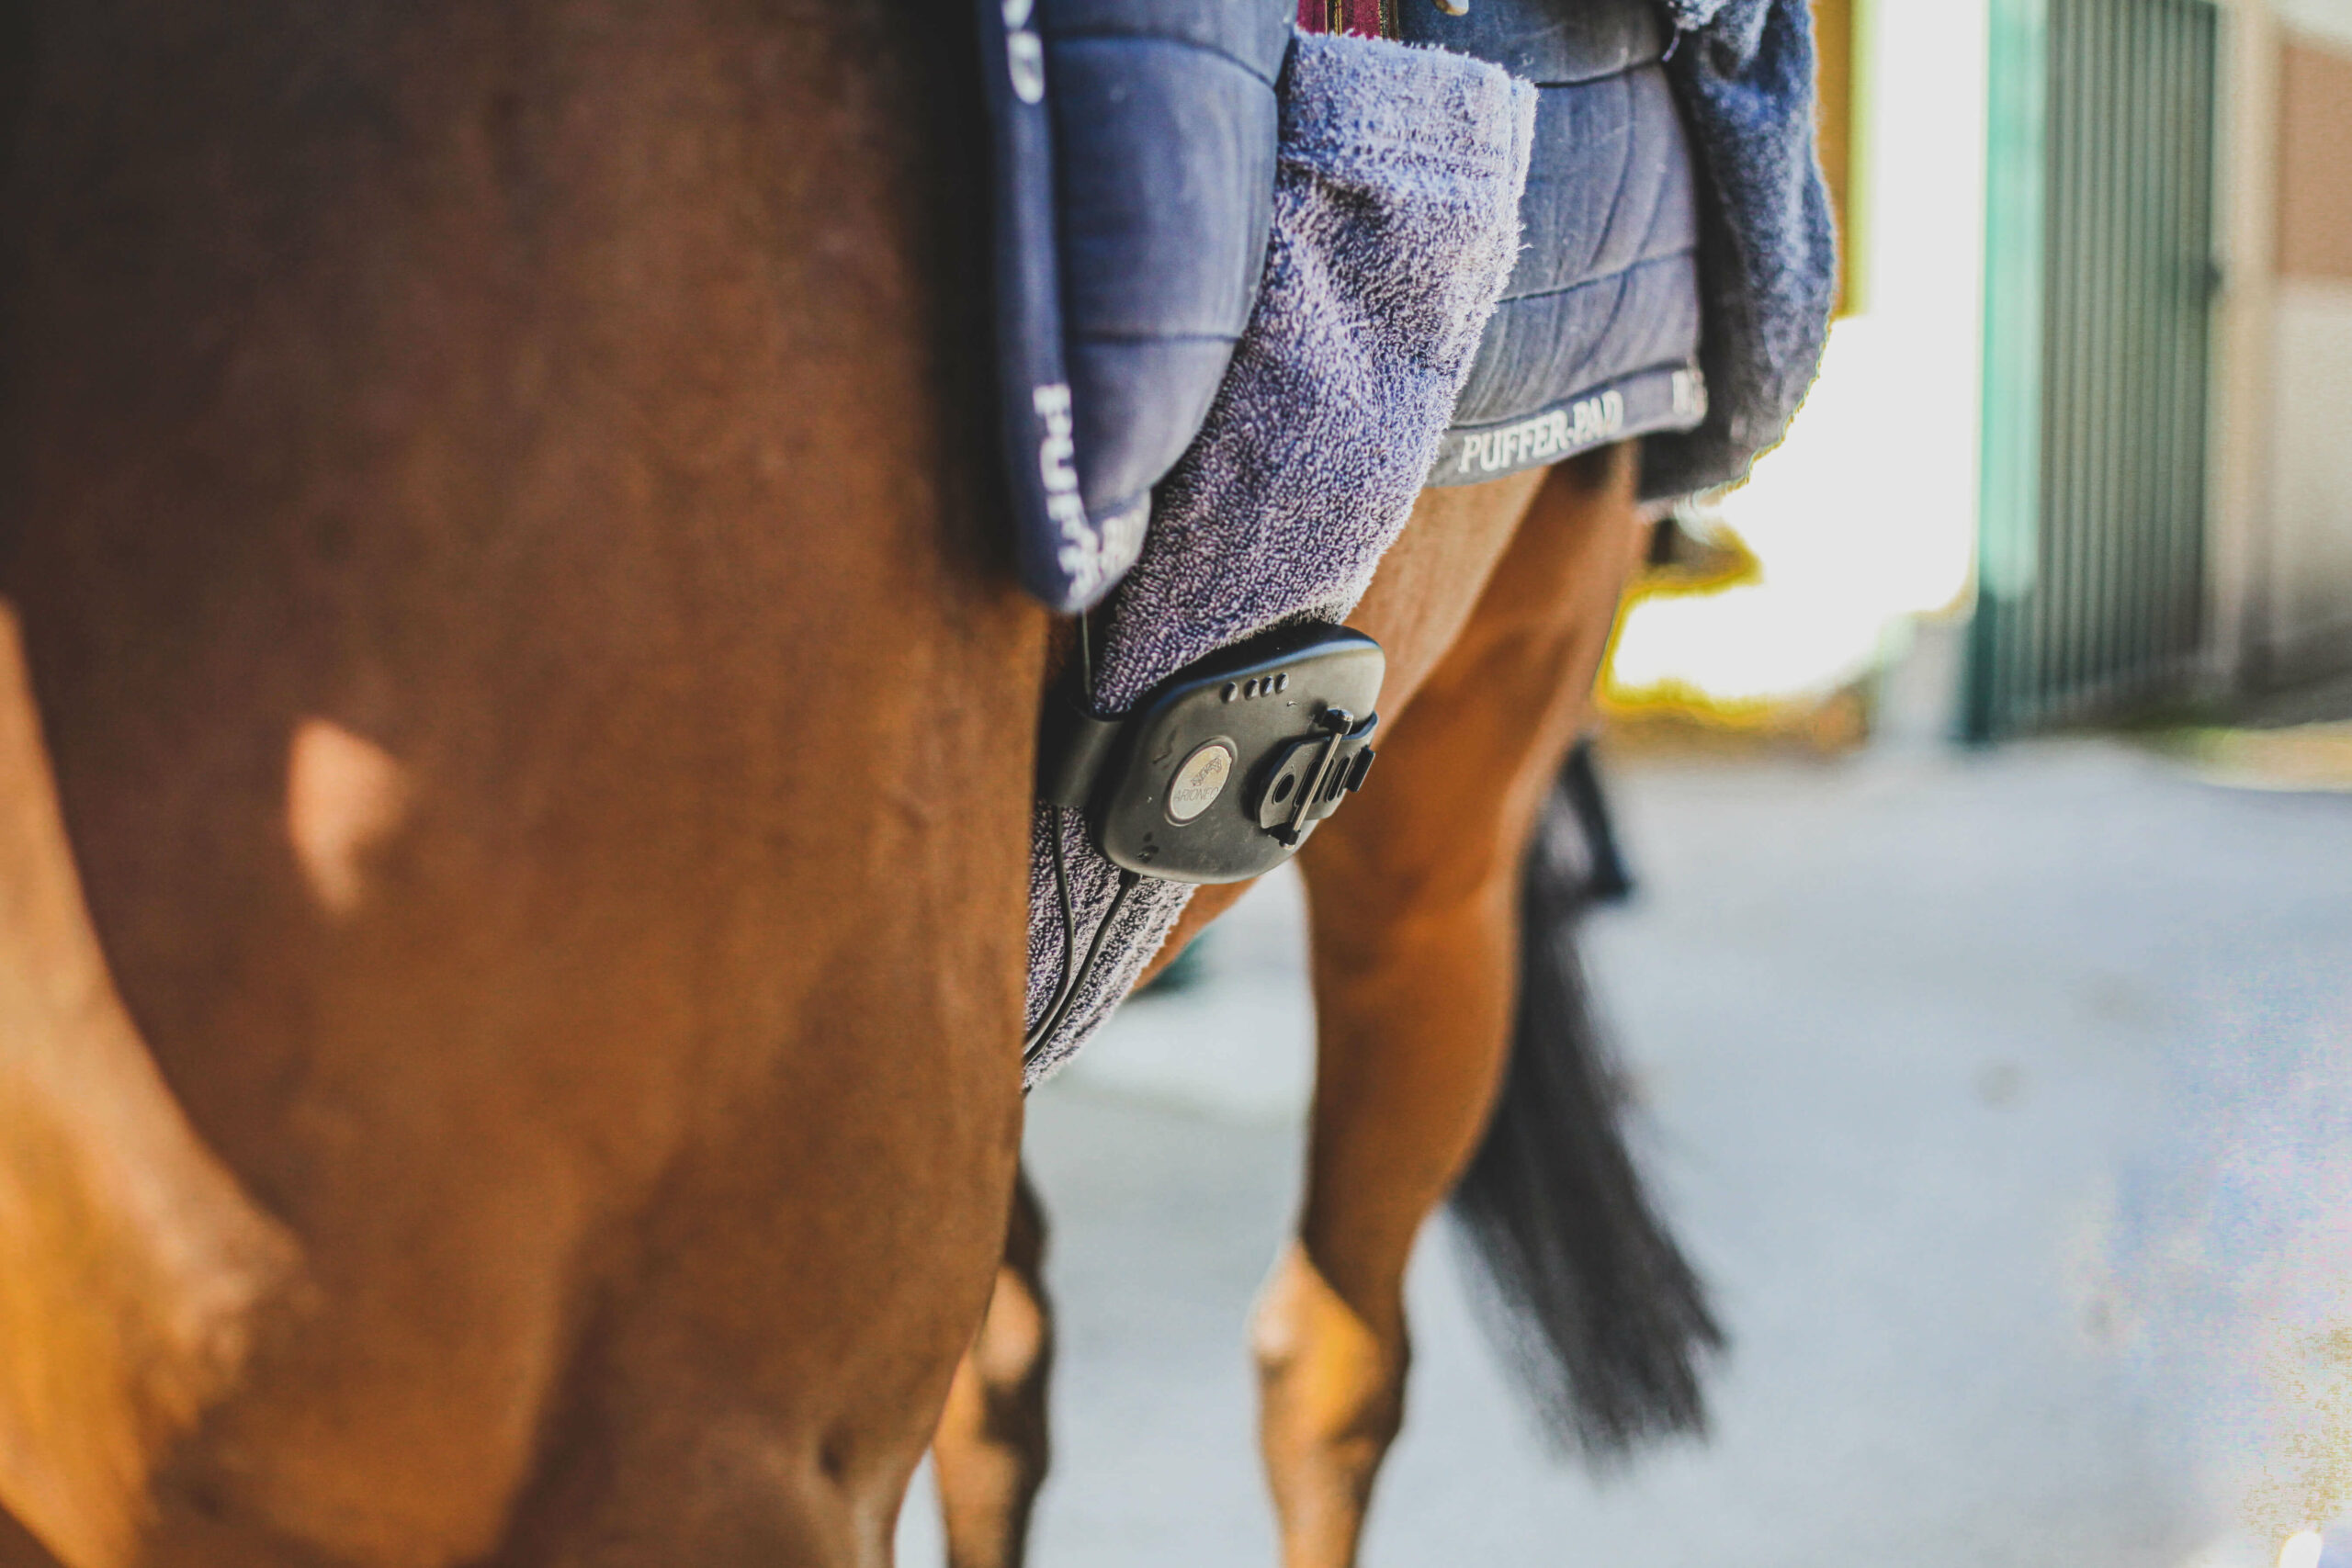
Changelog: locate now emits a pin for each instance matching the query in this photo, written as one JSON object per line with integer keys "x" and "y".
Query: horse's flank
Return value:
{"x": 493, "y": 496}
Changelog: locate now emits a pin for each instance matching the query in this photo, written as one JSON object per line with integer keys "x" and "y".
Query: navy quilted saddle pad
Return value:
{"x": 1134, "y": 165}
{"x": 1597, "y": 337}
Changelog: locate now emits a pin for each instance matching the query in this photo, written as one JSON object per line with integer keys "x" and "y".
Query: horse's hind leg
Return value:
{"x": 1413, "y": 893}
{"x": 991, "y": 1466}
{"x": 991, "y": 1448}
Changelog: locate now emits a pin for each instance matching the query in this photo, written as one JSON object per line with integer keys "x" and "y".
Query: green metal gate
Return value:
{"x": 2099, "y": 280}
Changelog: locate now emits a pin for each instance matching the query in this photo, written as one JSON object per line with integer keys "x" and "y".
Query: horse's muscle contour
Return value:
{"x": 494, "y": 508}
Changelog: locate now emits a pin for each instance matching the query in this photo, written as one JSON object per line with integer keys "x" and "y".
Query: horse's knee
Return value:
{"x": 1339, "y": 1366}
{"x": 1331, "y": 1399}
{"x": 1014, "y": 1350}
{"x": 1006, "y": 1368}
{"x": 992, "y": 1447}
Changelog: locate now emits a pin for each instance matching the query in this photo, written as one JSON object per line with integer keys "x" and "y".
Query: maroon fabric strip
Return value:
{"x": 1365, "y": 19}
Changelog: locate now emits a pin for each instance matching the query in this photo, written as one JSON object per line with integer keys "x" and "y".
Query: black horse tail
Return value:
{"x": 1590, "y": 1299}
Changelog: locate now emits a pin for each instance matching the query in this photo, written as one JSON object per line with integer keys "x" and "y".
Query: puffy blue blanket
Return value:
{"x": 1134, "y": 157}
{"x": 1596, "y": 337}
{"x": 1269, "y": 382}
{"x": 1744, "y": 71}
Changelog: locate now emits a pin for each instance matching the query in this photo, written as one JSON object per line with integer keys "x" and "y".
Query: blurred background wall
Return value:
{"x": 2296, "y": 622}
{"x": 2076, "y": 452}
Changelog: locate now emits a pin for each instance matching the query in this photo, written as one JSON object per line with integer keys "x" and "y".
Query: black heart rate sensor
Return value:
{"x": 1227, "y": 767}
{"x": 1218, "y": 775}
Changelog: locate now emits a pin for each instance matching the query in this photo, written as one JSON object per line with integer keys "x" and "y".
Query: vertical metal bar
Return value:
{"x": 2010, "y": 460}
{"x": 2085, "y": 192}
{"x": 2091, "y": 538}
{"x": 2059, "y": 361}
{"x": 2092, "y": 192}
{"x": 2132, "y": 451}
{"x": 2204, "y": 107}
{"x": 2122, "y": 443}
{"x": 2163, "y": 246}
{"x": 2195, "y": 248}
{"x": 2168, "y": 246}
{"x": 2170, "y": 260}
{"x": 2115, "y": 328}
{"x": 2046, "y": 652}
{"x": 2072, "y": 605}
{"x": 2071, "y": 40}
{"x": 2062, "y": 323}
{"x": 2185, "y": 283}
{"x": 2172, "y": 305}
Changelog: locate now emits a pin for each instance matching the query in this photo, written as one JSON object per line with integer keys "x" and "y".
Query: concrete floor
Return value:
{"x": 2002, "y": 1097}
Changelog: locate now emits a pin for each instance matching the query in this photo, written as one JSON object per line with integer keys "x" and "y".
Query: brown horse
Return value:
{"x": 1494, "y": 607}
{"x": 516, "y": 745}
{"x": 495, "y": 499}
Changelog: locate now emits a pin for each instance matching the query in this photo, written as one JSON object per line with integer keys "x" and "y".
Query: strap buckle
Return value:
{"x": 1310, "y": 775}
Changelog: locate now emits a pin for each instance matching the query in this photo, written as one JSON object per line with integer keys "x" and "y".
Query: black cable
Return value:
{"x": 1070, "y": 937}
{"x": 1069, "y": 978}
{"x": 1061, "y": 870}
{"x": 1060, "y": 1015}
{"x": 1074, "y": 981}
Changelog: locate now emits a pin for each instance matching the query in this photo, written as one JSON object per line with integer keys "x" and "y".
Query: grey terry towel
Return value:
{"x": 1744, "y": 71}
{"x": 1396, "y": 224}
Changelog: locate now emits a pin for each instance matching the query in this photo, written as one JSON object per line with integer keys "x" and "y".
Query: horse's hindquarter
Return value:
{"x": 500, "y": 559}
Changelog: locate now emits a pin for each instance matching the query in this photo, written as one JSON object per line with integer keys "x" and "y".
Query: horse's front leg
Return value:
{"x": 1413, "y": 894}
{"x": 991, "y": 1448}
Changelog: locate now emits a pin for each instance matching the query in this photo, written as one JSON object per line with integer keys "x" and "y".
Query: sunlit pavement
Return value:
{"x": 2003, "y": 1097}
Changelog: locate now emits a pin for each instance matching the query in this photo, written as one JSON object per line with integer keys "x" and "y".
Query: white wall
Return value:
{"x": 1868, "y": 513}
{"x": 2328, "y": 19}
{"x": 2309, "y": 622}
{"x": 2281, "y": 559}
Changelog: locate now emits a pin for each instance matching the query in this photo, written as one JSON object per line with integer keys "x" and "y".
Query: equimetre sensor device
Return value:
{"x": 1222, "y": 772}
